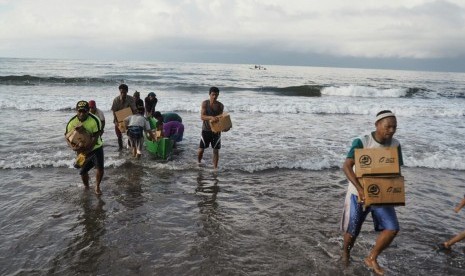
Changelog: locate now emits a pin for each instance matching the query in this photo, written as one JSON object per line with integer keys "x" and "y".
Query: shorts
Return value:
{"x": 353, "y": 216}
{"x": 209, "y": 137}
{"x": 137, "y": 144}
{"x": 93, "y": 159}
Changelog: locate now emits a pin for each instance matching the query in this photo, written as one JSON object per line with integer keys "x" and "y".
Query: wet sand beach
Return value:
{"x": 200, "y": 222}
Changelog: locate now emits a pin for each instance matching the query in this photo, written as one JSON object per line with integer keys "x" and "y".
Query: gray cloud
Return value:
{"x": 421, "y": 32}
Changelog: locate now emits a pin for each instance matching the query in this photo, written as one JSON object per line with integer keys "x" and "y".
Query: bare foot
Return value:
{"x": 345, "y": 258}
{"x": 98, "y": 191}
{"x": 444, "y": 247}
{"x": 373, "y": 264}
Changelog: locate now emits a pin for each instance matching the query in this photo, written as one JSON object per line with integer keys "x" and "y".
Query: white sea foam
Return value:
{"x": 364, "y": 91}
{"x": 39, "y": 160}
{"x": 271, "y": 129}
{"x": 187, "y": 102}
{"x": 437, "y": 162}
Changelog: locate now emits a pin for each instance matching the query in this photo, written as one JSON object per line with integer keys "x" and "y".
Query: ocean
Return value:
{"x": 274, "y": 205}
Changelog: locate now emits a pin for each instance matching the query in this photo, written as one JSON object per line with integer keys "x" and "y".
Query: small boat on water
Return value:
{"x": 258, "y": 67}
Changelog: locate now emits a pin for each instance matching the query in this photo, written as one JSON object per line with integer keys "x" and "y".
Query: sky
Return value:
{"x": 384, "y": 34}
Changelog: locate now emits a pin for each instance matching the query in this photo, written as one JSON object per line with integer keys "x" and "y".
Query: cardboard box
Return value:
{"x": 383, "y": 190}
{"x": 120, "y": 116}
{"x": 122, "y": 127}
{"x": 223, "y": 124}
{"x": 123, "y": 114}
{"x": 78, "y": 138}
{"x": 377, "y": 161}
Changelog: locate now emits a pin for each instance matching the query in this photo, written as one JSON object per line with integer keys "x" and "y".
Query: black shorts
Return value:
{"x": 209, "y": 137}
{"x": 93, "y": 159}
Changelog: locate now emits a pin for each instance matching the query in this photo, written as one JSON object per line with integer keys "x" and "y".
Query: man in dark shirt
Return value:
{"x": 150, "y": 103}
{"x": 210, "y": 110}
{"x": 121, "y": 102}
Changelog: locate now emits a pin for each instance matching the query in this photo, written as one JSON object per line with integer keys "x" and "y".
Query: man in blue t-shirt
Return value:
{"x": 354, "y": 214}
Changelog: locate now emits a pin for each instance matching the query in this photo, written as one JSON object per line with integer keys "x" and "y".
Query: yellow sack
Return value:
{"x": 80, "y": 159}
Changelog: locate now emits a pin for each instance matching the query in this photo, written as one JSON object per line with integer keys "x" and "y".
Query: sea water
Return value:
{"x": 274, "y": 204}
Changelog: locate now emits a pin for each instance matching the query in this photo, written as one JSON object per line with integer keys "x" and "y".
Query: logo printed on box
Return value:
{"x": 376, "y": 161}
{"x": 373, "y": 190}
{"x": 365, "y": 160}
{"x": 383, "y": 190}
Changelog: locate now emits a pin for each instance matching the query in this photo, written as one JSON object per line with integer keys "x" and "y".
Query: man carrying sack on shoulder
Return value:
{"x": 83, "y": 134}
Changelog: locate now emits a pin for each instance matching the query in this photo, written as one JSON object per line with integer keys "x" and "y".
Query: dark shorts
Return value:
{"x": 209, "y": 137}
{"x": 93, "y": 159}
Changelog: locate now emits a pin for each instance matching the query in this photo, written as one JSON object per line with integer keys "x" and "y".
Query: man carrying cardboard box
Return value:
{"x": 210, "y": 111}
{"x": 93, "y": 147}
{"x": 354, "y": 213}
{"x": 121, "y": 102}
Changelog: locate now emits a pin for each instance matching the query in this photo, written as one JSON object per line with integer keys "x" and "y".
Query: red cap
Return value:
{"x": 92, "y": 103}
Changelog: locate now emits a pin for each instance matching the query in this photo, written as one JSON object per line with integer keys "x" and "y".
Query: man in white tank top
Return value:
{"x": 354, "y": 214}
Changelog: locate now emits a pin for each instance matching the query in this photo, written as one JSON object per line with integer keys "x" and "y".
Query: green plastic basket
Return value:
{"x": 161, "y": 148}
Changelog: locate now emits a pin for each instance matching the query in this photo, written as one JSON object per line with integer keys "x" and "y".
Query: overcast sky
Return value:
{"x": 399, "y": 34}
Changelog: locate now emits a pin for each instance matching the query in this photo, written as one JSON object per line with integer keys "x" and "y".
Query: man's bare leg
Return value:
{"x": 200, "y": 155}
{"x": 120, "y": 143}
{"x": 216, "y": 157}
{"x": 98, "y": 179}
{"x": 454, "y": 240}
{"x": 349, "y": 241}
{"x": 85, "y": 180}
{"x": 382, "y": 242}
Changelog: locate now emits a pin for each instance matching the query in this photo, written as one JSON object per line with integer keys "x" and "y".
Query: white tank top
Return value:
{"x": 369, "y": 143}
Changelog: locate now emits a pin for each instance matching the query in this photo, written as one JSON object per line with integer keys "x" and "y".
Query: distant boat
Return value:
{"x": 258, "y": 67}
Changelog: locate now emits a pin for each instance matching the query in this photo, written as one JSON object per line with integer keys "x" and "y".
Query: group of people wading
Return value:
{"x": 354, "y": 212}
{"x": 91, "y": 119}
